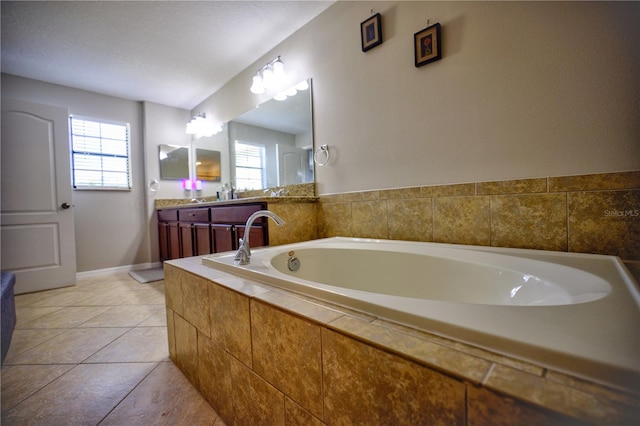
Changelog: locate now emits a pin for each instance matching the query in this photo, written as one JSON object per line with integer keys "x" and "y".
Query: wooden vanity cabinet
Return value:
{"x": 196, "y": 231}
{"x": 229, "y": 222}
{"x": 168, "y": 234}
{"x": 223, "y": 237}
{"x": 256, "y": 237}
{"x": 193, "y": 241}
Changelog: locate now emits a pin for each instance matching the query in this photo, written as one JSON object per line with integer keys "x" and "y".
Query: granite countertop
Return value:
{"x": 181, "y": 203}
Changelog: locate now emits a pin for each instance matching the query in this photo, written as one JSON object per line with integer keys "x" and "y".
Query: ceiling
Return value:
{"x": 175, "y": 53}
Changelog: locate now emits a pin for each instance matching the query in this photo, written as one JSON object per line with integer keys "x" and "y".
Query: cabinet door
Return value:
{"x": 202, "y": 237}
{"x": 223, "y": 238}
{"x": 257, "y": 237}
{"x": 174, "y": 240}
{"x": 186, "y": 239}
{"x": 163, "y": 237}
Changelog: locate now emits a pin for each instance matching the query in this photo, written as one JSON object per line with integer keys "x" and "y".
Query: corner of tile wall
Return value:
{"x": 595, "y": 213}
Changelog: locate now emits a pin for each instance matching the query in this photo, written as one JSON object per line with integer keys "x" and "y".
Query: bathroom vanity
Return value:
{"x": 186, "y": 230}
{"x": 194, "y": 231}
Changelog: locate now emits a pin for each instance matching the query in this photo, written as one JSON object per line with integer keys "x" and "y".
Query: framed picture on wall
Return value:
{"x": 371, "y": 32}
{"x": 427, "y": 45}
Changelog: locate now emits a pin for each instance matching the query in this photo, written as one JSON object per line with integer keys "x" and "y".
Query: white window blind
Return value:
{"x": 100, "y": 154}
{"x": 250, "y": 166}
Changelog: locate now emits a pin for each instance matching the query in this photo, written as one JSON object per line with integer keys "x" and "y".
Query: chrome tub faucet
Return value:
{"x": 243, "y": 255}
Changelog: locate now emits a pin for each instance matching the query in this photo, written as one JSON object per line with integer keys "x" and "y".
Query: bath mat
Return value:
{"x": 148, "y": 275}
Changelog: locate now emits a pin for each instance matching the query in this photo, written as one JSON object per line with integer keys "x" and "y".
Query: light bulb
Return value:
{"x": 278, "y": 70}
{"x": 267, "y": 77}
{"x": 303, "y": 85}
{"x": 291, "y": 92}
{"x": 280, "y": 96}
{"x": 257, "y": 87}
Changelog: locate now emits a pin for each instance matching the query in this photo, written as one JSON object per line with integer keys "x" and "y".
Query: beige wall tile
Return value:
{"x": 186, "y": 348}
{"x": 606, "y": 222}
{"x": 536, "y": 221}
{"x": 362, "y": 196}
{"x": 594, "y": 407}
{"x": 195, "y": 299}
{"x": 518, "y": 186}
{"x": 334, "y": 220}
{"x": 171, "y": 335}
{"x": 214, "y": 373}
{"x": 456, "y": 190}
{"x": 456, "y": 363}
{"x": 256, "y": 402}
{"x": 173, "y": 287}
{"x": 300, "y": 306}
{"x": 287, "y": 353}
{"x": 298, "y": 416}
{"x": 462, "y": 220}
{"x": 231, "y": 323}
{"x": 364, "y": 385}
{"x": 411, "y": 219}
{"x": 301, "y": 223}
{"x": 596, "y": 182}
{"x": 331, "y": 198}
{"x": 400, "y": 193}
{"x": 369, "y": 219}
{"x": 487, "y": 408}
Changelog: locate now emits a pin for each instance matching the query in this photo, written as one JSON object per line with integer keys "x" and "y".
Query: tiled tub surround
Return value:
{"x": 262, "y": 355}
{"x": 531, "y": 304}
{"x": 597, "y": 213}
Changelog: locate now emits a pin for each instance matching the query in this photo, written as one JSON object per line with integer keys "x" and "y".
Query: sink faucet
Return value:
{"x": 279, "y": 193}
{"x": 243, "y": 255}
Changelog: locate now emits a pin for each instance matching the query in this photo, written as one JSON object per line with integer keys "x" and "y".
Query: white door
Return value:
{"x": 292, "y": 164}
{"x": 36, "y": 225}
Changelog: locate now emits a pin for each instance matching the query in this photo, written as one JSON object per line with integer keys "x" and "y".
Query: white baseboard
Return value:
{"x": 118, "y": 269}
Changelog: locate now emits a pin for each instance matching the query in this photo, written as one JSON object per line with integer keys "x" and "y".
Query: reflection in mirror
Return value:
{"x": 272, "y": 145}
{"x": 208, "y": 165}
{"x": 174, "y": 162}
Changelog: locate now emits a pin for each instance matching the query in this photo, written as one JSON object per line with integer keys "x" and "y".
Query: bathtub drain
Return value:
{"x": 293, "y": 264}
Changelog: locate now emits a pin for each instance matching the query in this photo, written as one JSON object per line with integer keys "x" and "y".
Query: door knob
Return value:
{"x": 65, "y": 205}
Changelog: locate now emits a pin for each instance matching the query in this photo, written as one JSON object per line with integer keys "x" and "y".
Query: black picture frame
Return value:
{"x": 371, "y": 32}
{"x": 427, "y": 45}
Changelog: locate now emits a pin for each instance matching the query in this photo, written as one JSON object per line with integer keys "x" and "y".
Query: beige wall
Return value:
{"x": 523, "y": 90}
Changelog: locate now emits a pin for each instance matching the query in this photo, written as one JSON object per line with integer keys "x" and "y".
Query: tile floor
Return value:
{"x": 96, "y": 353}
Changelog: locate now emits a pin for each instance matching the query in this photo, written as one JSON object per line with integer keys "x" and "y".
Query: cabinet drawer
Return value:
{"x": 194, "y": 215}
{"x": 167, "y": 215}
{"x": 235, "y": 214}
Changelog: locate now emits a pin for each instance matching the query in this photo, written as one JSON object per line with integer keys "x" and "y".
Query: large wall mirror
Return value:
{"x": 174, "y": 162}
{"x": 208, "y": 165}
{"x": 272, "y": 145}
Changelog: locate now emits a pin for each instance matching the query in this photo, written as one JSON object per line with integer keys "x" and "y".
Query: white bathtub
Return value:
{"x": 570, "y": 312}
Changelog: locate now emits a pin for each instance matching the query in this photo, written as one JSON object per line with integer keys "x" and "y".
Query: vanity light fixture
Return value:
{"x": 269, "y": 76}
{"x": 200, "y": 126}
{"x": 292, "y": 91}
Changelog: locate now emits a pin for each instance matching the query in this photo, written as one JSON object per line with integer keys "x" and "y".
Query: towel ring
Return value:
{"x": 321, "y": 155}
{"x": 153, "y": 185}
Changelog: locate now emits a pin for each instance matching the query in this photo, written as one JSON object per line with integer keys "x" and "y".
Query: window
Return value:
{"x": 250, "y": 166}
{"x": 100, "y": 154}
